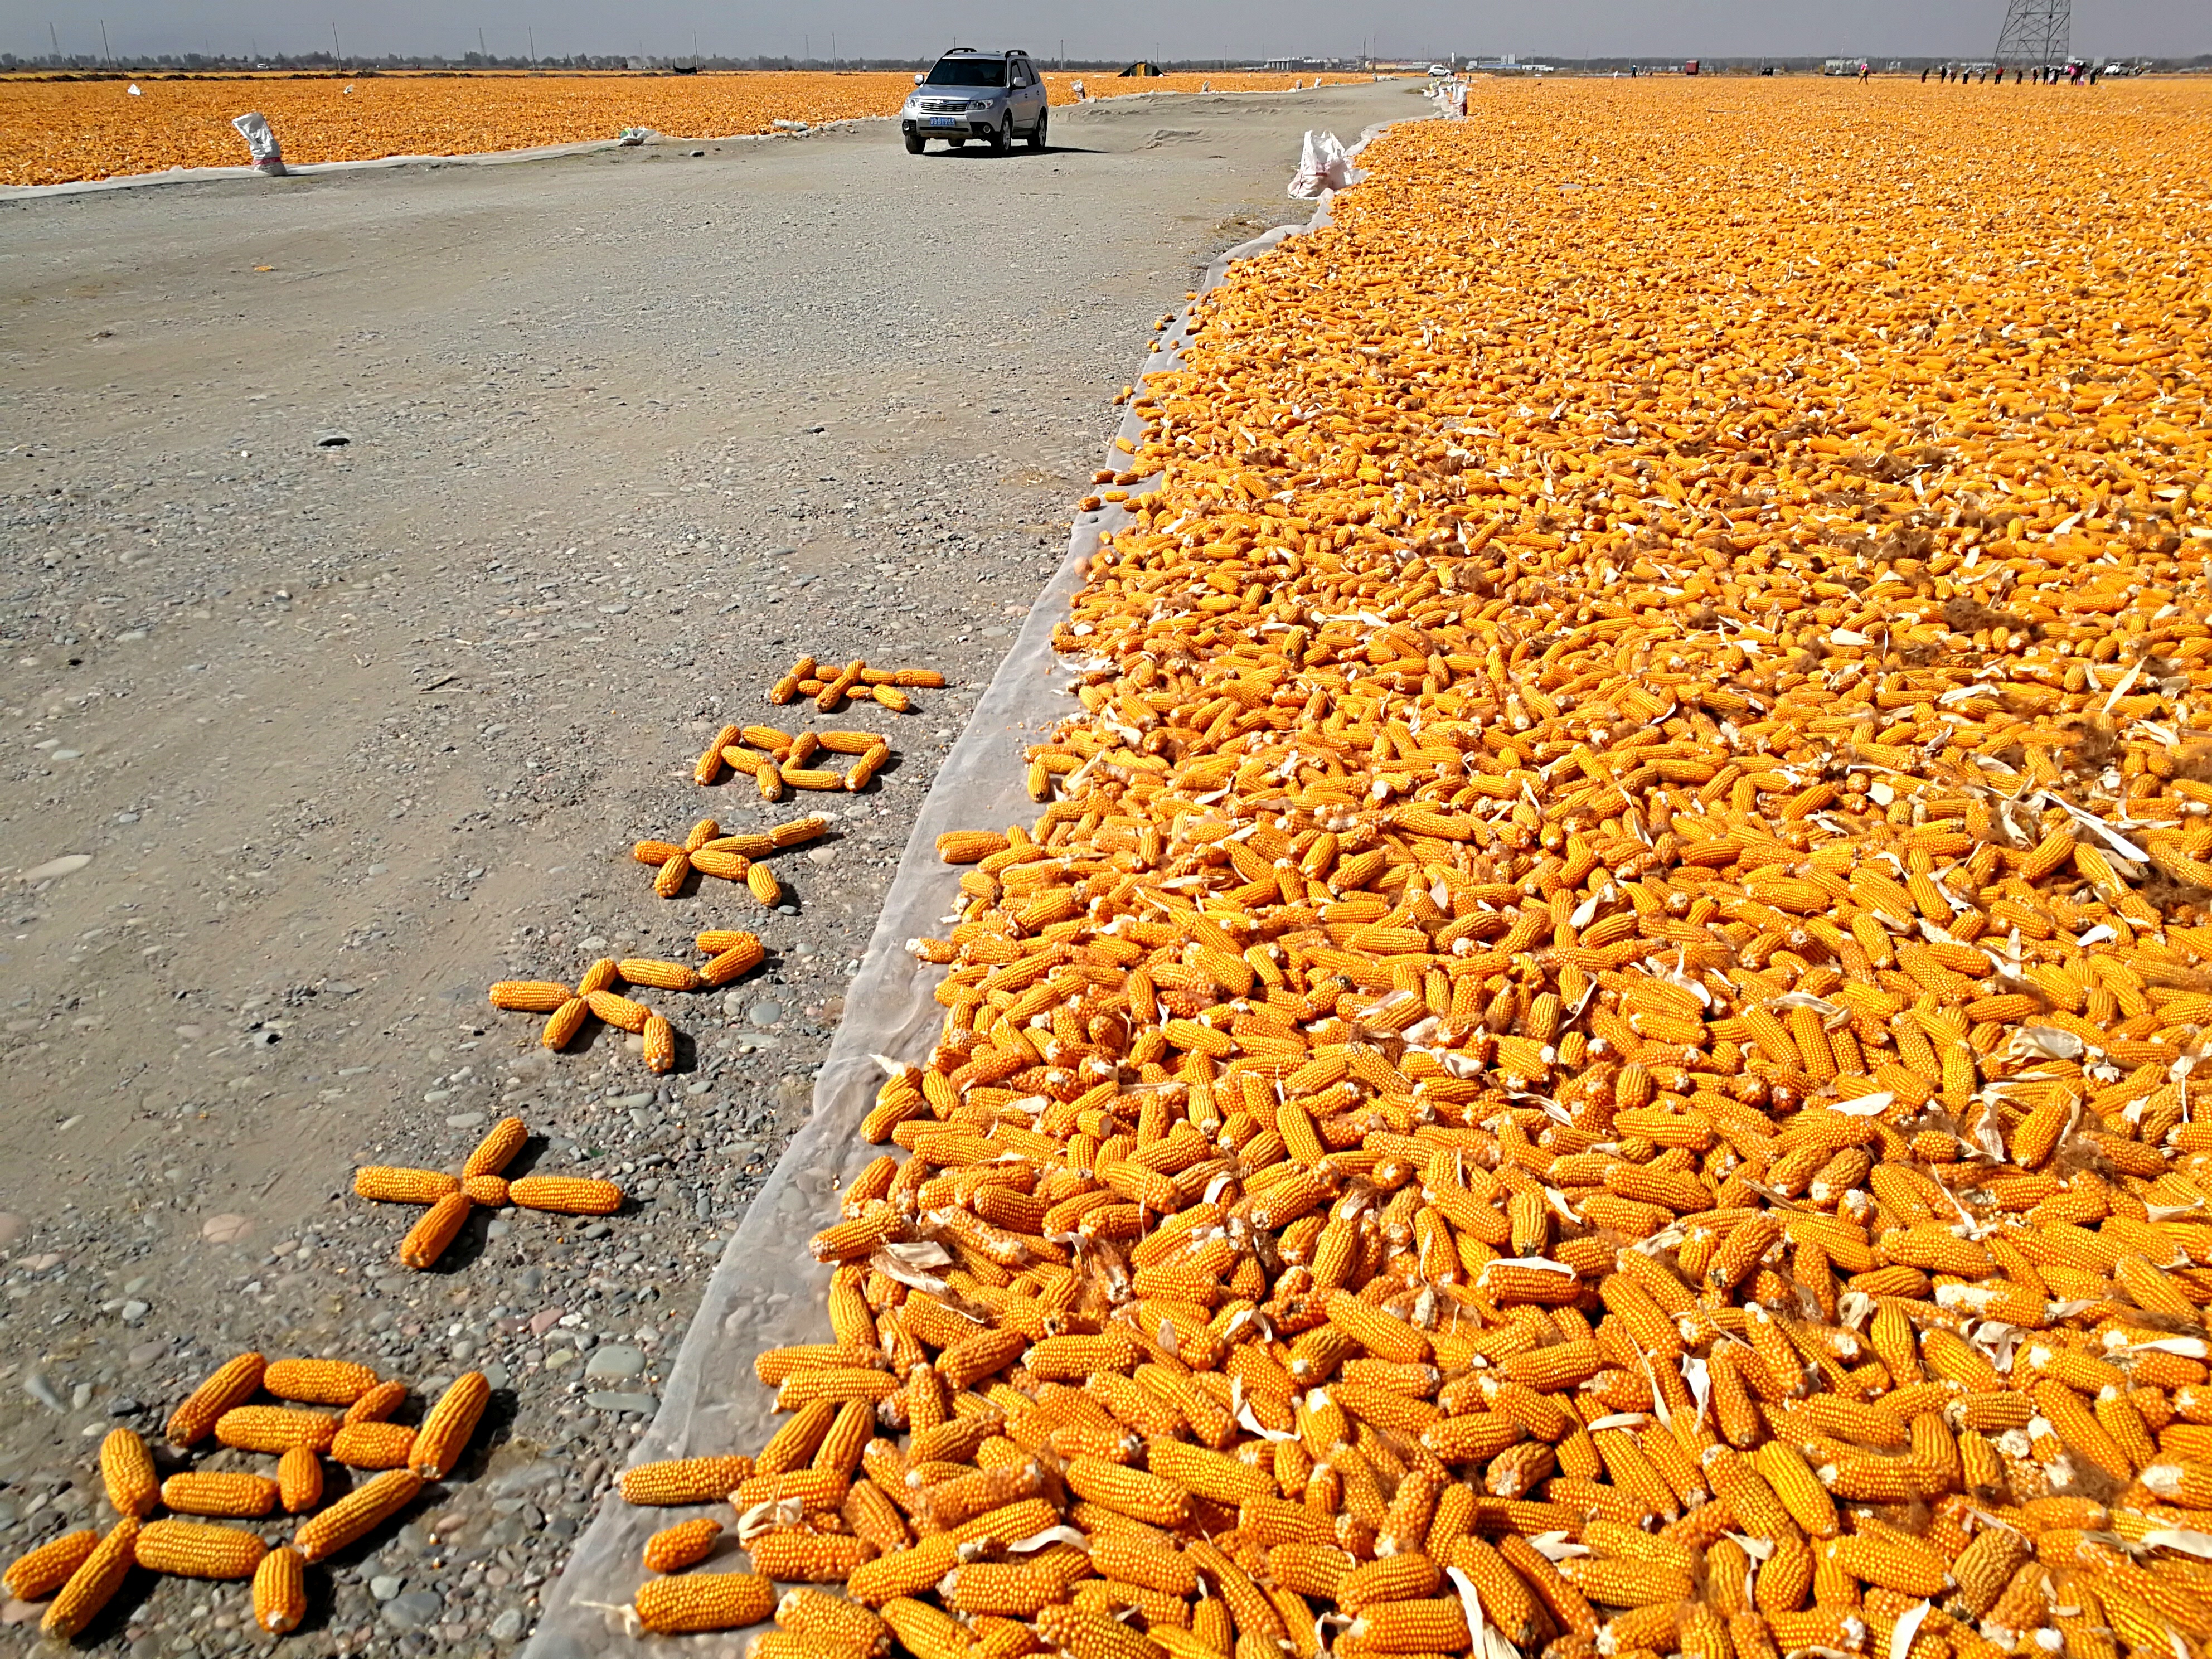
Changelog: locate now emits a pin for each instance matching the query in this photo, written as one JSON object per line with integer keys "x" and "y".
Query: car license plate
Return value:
{"x": 941, "y": 121}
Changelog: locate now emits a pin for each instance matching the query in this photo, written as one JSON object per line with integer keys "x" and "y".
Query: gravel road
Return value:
{"x": 307, "y": 742}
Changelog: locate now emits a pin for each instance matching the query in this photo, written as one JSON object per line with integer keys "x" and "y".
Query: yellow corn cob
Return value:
{"x": 1509, "y": 1592}
{"x": 814, "y": 1612}
{"x": 737, "y": 959}
{"x": 357, "y": 1515}
{"x": 791, "y": 1446}
{"x": 1435, "y": 1625}
{"x": 561, "y": 1028}
{"x": 378, "y": 1404}
{"x": 795, "y": 1644}
{"x": 127, "y": 1469}
{"x": 1394, "y": 1578}
{"x": 1379, "y": 1332}
{"x": 686, "y": 1481}
{"x": 1984, "y": 1568}
{"x": 674, "y": 871}
{"x": 1891, "y": 1561}
{"x": 529, "y": 996}
{"x": 798, "y": 831}
{"x": 600, "y": 976}
{"x": 275, "y": 1429}
{"x": 1800, "y": 1489}
{"x": 95, "y": 1580}
{"x": 661, "y": 975}
{"x": 969, "y": 846}
{"x": 709, "y": 765}
{"x": 761, "y": 881}
{"x": 787, "y": 687}
{"x": 1019, "y": 1589}
{"x": 41, "y": 1572}
{"x": 280, "y": 1591}
{"x": 318, "y": 1382}
{"x": 903, "y": 1572}
{"x": 231, "y": 1493}
{"x": 429, "y": 1238}
{"x": 403, "y": 1186}
{"x": 688, "y": 1542}
{"x": 566, "y": 1194}
{"x": 1207, "y": 1473}
{"x": 660, "y": 1045}
{"x": 862, "y": 771}
{"x": 1623, "y": 1583}
{"x": 497, "y": 1149}
{"x": 702, "y": 1601}
{"x": 618, "y": 1010}
{"x": 653, "y": 852}
{"x": 300, "y": 1477}
{"x": 797, "y": 1556}
{"x": 447, "y": 1428}
{"x": 1128, "y": 1491}
{"x": 1092, "y": 1636}
{"x": 859, "y": 1238}
{"x": 487, "y": 1191}
{"x": 373, "y": 1445}
{"x": 198, "y": 1549}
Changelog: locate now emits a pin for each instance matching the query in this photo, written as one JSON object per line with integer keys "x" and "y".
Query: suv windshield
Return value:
{"x": 969, "y": 72}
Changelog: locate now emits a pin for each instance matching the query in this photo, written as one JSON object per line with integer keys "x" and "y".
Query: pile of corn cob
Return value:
{"x": 830, "y": 687}
{"x": 730, "y": 953}
{"x": 1593, "y": 1049}
{"x": 778, "y": 760}
{"x": 82, "y": 1570}
{"x": 727, "y": 858}
{"x": 451, "y": 1197}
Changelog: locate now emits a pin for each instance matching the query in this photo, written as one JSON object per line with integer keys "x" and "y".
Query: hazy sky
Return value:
{"x": 1233, "y": 28}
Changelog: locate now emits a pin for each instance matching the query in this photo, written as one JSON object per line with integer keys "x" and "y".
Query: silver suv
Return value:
{"x": 990, "y": 95}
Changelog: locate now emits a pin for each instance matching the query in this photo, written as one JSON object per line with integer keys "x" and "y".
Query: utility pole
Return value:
{"x": 534, "y": 46}
{"x": 55, "y": 37}
{"x": 482, "y": 51}
{"x": 104, "y": 51}
{"x": 2036, "y": 33}
{"x": 335, "y": 53}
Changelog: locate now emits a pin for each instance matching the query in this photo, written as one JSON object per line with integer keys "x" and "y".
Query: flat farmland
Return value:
{"x": 55, "y": 132}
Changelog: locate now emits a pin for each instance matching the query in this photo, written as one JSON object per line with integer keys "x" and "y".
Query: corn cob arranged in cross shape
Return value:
{"x": 449, "y": 1198}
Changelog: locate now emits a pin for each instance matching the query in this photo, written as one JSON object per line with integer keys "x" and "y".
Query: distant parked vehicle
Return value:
{"x": 991, "y": 95}
{"x": 1436, "y": 70}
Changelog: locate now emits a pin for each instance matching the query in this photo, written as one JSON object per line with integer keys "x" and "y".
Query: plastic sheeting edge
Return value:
{"x": 891, "y": 1011}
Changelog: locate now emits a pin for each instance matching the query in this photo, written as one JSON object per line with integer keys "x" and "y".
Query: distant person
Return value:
{"x": 1864, "y": 71}
{"x": 1924, "y": 77}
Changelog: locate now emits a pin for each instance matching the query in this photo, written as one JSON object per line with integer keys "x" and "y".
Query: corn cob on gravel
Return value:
{"x": 212, "y": 1527}
{"x": 450, "y": 1200}
{"x": 1595, "y": 1036}
{"x": 568, "y": 1011}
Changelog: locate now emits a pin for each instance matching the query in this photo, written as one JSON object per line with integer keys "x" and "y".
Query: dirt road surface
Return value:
{"x": 380, "y": 550}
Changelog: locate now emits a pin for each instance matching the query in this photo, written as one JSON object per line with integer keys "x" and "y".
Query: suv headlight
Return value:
{"x": 979, "y": 103}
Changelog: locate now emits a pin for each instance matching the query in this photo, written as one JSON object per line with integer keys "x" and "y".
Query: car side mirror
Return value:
{"x": 918, "y": 79}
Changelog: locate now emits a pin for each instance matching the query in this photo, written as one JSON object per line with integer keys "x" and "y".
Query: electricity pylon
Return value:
{"x": 2036, "y": 33}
